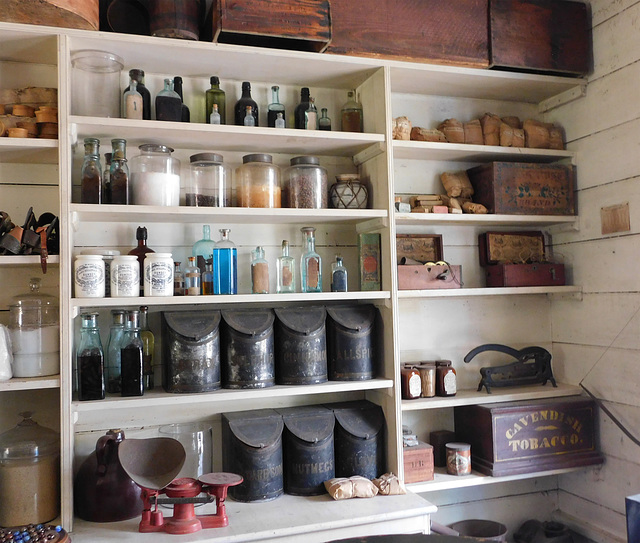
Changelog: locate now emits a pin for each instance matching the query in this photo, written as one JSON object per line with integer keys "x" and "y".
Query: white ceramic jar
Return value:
{"x": 89, "y": 276}
{"x": 107, "y": 256}
{"x": 125, "y": 276}
{"x": 158, "y": 274}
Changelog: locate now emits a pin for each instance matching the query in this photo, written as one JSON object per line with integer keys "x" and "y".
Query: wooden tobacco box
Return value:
{"x": 529, "y": 436}
{"x": 546, "y": 36}
{"x": 522, "y": 188}
{"x": 418, "y": 463}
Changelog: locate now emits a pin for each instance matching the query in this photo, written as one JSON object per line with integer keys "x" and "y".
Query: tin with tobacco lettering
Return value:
{"x": 252, "y": 448}
{"x": 308, "y": 449}
{"x": 351, "y": 342}
{"x": 301, "y": 345}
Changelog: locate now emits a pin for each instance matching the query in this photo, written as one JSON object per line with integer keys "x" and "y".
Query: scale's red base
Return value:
{"x": 184, "y": 519}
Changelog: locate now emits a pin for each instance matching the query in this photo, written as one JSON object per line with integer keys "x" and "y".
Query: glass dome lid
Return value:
{"x": 28, "y": 441}
{"x": 34, "y": 298}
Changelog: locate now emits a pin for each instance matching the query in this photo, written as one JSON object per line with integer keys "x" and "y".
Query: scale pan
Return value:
{"x": 152, "y": 463}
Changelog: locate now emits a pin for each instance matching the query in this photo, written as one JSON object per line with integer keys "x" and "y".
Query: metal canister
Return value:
{"x": 191, "y": 351}
{"x": 351, "y": 342}
{"x": 308, "y": 449}
{"x": 252, "y": 448}
{"x": 458, "y": 458}
{"x": 359, "y": 439}
{"x": 248, "y": 359}
{"x": 301, "y": 345}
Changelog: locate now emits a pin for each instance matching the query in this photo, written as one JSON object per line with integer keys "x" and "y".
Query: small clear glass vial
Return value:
{"x": 286, "y": 270}
{"x": 178, "y": 280}
{"x": 259, "y": 272}
{"x": 310, "y": 262}
{"x": 338, "y": 276}
{"x": 192, "y": 278}
{"x": 207, "y": 276}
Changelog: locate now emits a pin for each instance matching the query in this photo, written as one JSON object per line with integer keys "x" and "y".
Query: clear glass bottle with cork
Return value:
{"x": 133, "y": 103}
{"x": 286, "y": 270}
{"x": 259, "y": 272}
{"x": 310, "y": 262}
{"x": 351, "y": 114}
{"x": 91, "y": 173}
{"x": 119, "y": 172}
{"x": 138, "y": 76}
{"x": 90, "y": 359}
{"x": 192, "y": 278}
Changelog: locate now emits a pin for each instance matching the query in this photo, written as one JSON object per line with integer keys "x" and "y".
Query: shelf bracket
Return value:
{"x": 372, "y": 225}
{"x": 370, "y": 152}
{"x": 563, "y": 98}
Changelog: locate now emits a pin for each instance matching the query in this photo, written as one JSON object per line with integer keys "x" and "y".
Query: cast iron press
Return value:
{"x": 152, "y": 464}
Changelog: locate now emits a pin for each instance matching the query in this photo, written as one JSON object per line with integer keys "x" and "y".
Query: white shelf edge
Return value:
{"x": 27, "y": 260}
{"x": 488, "y": 291}
{"x": 19, "y": 144}
{"x": 165, "y": 399}
{"x": 30, "y": 383}
{"x": 468, "y": 219}
{"x": 498, "y": 395}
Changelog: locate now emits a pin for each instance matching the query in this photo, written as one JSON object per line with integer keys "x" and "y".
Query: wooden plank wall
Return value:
{"x": 597, "y": 340}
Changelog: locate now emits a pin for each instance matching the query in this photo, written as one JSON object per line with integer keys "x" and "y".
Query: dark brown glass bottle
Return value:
{"x": 240, "y": 109}
{"x": 168, "y": 104}
{"x": 138, "y": 75}
{"x": 141, "y": 252}
{"x": 177, "y": 87}
{"x": 301, "y": 108}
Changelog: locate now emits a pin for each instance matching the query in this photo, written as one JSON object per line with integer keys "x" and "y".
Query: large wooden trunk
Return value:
{"x": 82, "y": 14}
{"x": 529, "y": 436}
{"x": 548, "y": 36}
{"x": 437, "y": 31}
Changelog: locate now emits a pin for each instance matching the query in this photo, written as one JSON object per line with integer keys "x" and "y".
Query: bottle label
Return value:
{"x": 313, "y": 273}
{"x": 89, "y": 280}
{"x": 450, "y": 387}
{"x": 415, "y": 386}
{"x": 158, "y": 279}
{"x": 287, "y": 276}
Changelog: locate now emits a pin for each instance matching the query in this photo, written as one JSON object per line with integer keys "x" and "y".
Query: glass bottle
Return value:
{"x": 216, "y": 100}
{"x": 324, "y": 123}
{"x": 132, "y": 101}
{"x": 138, "y": 76}
{"x": 90, "y": 359}
{"x": 446, "y": 380}
{"x": 240, "y": 109}
{"x": 148, "y": 345}
{"x": 112, "y": 350}
{"x": 280, "y": 121}
{"x": 351, "y": 114}
{"x": 225, "y": 265}
{"x": 215, "y": 117}
{"x": 301, "y": 108}
{"x": 338, "y": 276}
{"x": 106, "y": 179}
{"x": 168, "y": 104}
{"x": 192, "y": 277}
{"x": 259, "y": 272}
{"x": 274, "y": 108}
{"x": 131, "y": 357}
{"x": 141, "y": 251}
{"x": 286, "y": 270}
{"x": 248, "y": 118}
{"x": 311, "y": 116}
{"x": 91, "y": 183}
{"x": 310, "y": 262}
{"x": 203, "y": 248}
{"x": 119, "y": 172}
{"x": 178, "y": 280}
{"x": 185, "y": 115}
{"x": 207, "y": 277}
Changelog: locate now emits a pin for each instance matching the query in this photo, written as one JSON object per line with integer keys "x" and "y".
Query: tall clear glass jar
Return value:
{"x": 209, "y": 183}
{"x": 131, "y": 357}
{"x": 258, "y": 182}
{"x": 155, "y": 176}
{"x": 310, "y": 262}
{"x": 90, "y": 359}
{"x": 306, "y": 184}
{"x": 91, "y": 173}
{"x": 95, "y": 83}
{"x": 112, "y": 350}
{"x": 225, "y": 265}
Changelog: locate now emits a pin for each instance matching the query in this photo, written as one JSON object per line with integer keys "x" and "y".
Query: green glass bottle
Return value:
{"x": 215, "y": 95}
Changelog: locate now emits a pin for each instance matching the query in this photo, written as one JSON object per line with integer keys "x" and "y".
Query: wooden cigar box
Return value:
{"x": 516, "y": 247}
{"x": 525, "y": 275}
{"x": 418, "y": 463}
{"x": 427, "y": 276}
{"x": 418, "y": 248}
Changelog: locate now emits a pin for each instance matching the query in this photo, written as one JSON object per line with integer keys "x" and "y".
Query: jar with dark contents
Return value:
{"x": 446, "y": 382}
{"x": 91, "y": 174}
{"x": 90, "y": 359}
{"x": 209, "y": 183}
{"x": 119, "y": 173}
{"x": 306, "y": 184}
{"x": 411, "y": 384}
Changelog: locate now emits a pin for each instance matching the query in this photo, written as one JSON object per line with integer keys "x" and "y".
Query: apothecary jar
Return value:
{"x": 258, "y": 182}
{"x": 305, "y": 184}
{"x": 155, "y": 176}
{"x": 209, "y": 182}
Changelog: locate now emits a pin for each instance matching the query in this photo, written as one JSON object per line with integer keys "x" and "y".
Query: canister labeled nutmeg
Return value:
{"x": 458, "y": 458}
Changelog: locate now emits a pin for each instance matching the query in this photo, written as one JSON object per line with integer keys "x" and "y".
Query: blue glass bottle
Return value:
{"x": 203, "y": 248}
{"x": 310, "y": 262}
{"x": 225, "y": 265}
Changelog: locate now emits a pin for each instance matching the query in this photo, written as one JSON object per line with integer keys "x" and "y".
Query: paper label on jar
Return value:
{"x": 125, "y": 280}
{"x": 415, "y": 386}
{"x": 450, "y": 383}
{"x": 89, "y": 280}
{"x": 158, "y": 277}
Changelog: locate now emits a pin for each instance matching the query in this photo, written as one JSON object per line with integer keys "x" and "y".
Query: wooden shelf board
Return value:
{"x": 29, "y": 150}
{"x": 423, "y": 150}
{"x": 27, "y": 260}
{"x": 489, "y": 219}
{"x": 498, "y": 395}
{"x": 30, "y": 383}
{"x": 489, "y": 291}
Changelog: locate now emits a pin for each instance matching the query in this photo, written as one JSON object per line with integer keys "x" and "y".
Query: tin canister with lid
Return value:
{"x": 247, "y": 353}
{"x": 158, "y": 274}
{"x": 359, "y": 439}
{"x": 258, "y": 182}
{"x": 306, "y": 184}
{"x": 209, "y": 183}
{"x": 252, "y": 448}
{"x": 89, "y": 276}
{"x": 301, "y": 345}
{"x": 155, "y": 176}
{"x": 307, "y": 443}
{"x": 458, "y": 458}
{"x": 191, "y": 351}
{"x": 351, "y": 342}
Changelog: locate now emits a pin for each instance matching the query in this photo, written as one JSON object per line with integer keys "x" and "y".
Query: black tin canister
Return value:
{"x": 359, "y": 439}
{"x": 252, "y": 448}
{"x": 308, "y": 449}
{"x": 191, "y": 351}
{"x": 248, "y": 359}
{"x": 301, "y": 345}
{"x": 351, "y": 342}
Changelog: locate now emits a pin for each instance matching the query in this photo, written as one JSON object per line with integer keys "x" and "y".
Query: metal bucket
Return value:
{"x": 482, "y": 530}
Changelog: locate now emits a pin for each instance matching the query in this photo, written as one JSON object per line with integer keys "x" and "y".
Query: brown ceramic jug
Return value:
{"x": 103, "y": 492}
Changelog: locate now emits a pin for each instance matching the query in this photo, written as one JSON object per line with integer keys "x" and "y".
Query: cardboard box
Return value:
{"x": 369, "y": 260}
{"x": 418, "y": 463}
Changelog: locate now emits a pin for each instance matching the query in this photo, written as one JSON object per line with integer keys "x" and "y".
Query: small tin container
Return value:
{"x": 252, "y": 448}
{"x": 308, "y": 449}
{"x": 458, "y": 458}
{"x": 191, "y": 351}
{"x": 301, "y": 345}
{"x": 89, "y": 276}
{"x": 158, "y": 274}
{"x": 351, "y": 342}
{"x": 248, "y": 359}
{"x": 125, "y": 276}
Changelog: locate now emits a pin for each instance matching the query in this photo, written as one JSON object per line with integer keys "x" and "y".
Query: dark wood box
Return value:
{"x": 437, "y": 31}
{"x": 518, "y": 247}
{"x": 546, "y": 36}
{"x": 529, "y": 436}
{"x": 439, "y": 439}
{"x": 525, "y": 275}
{"x": 522, "y": 188}
{"x": 418, "y": 463}
{"x": 419, "y": 248}
{"x": 302, "y": 25}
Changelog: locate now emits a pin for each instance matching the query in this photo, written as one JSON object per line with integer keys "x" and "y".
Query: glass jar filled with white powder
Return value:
{"x": 155, "y": 176}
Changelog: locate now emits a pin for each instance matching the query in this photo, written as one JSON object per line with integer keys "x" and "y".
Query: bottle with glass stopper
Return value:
{"x": 311, "y": 116}
{"x": 240, "y": 109}
{"x": 192, "y": 277}
{"x": 248, "y": 118}
{"x": 324, "y": 123}
{"x": 178, "y": 280}
{"x": 119, "y": 172}
{"x": 91, "y": 175}
{"x": 286, "y": 270}
{"x": 310, "y": 262}
{"x": 131, "y": 356}
{"x": 259, "y": 272}
{"x": 215, "y": 99}
{"x": 168, "y": 104}
{"x": 90, "y": 359}
{"x": 338, "y": 276}
{"x": 225, "y": 265}
{"x": 351, "y": 114}
{"x": 132, "y": 101}
{"x": 301, "y": 108}
{"x": 148, "y": 345}
{"x": 138, "y": 76}
{"x": 112, "y": 350}
{"x": 275, "y": 107}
